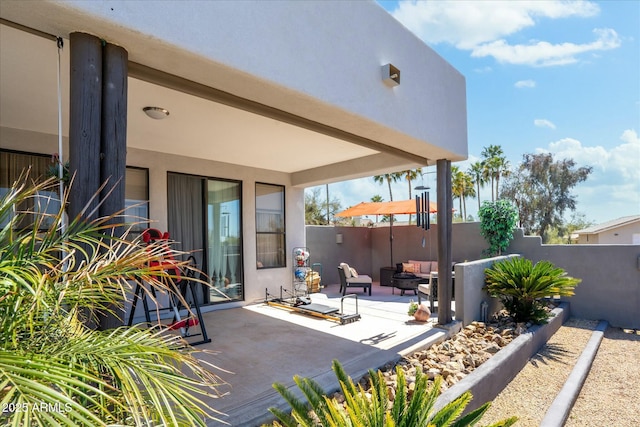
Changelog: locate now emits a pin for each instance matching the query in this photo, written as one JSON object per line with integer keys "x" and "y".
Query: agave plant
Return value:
{"x": 57, "y": 370}
{"x": 372, "y": 408}
{"x": 521, "y": 286}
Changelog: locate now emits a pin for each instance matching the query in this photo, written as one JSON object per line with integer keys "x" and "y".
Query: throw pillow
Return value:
{"x": 354, "y": 273}
{"x": 408, "y": 268}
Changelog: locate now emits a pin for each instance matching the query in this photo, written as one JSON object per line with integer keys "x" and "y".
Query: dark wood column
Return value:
{"x": 113, "y": 145}
{"x": 98, "y": 132}
{"x": 445, "y": 206}
{"x": 85, "y": 110}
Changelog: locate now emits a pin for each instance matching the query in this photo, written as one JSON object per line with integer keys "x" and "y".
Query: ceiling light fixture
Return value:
{"x": 156, "y": 112}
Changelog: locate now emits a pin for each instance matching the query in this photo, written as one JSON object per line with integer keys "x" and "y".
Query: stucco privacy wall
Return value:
{"x": 319, "y": 60}
{"x": 610, "y": 287}
{"x": 368, "y": 249}
{"x": 469, "y": 293}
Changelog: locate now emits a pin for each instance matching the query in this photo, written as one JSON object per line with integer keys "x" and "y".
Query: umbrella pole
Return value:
{"x": 391, "y": 238}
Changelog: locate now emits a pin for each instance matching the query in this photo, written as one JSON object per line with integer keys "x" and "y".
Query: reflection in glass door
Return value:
{"x": 224, "y": 242}
{"x": 205, "y": 218}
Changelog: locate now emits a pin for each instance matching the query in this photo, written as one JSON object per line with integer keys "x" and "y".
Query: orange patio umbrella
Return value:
{"x": 402, "y": 207}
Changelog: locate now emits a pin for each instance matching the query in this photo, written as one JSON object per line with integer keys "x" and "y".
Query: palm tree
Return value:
{"x": 411, "y": 175}
{"x": 388, "y": 178}
{"x": 496, "y": 165}
{"x": 456, "y": 185}
{"x": 477, "y": 172}
{"x": 462, "y": 187}
{"x": 467, "y": 191}
{"x": 504, "y": 171}
{"x": 377, "y": 198}
{"x": 54, "y": 283}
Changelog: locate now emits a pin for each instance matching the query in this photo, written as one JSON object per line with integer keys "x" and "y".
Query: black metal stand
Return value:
{"x": 183, "y": 286}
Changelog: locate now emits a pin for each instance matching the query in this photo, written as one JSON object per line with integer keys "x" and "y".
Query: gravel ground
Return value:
{"x": 611, "y": 394}
{"x": 530, "y": 393}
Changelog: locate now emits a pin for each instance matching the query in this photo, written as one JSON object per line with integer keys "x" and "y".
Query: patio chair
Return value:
{"x": 350, "y": 280}
{"x": 424, "y": 289}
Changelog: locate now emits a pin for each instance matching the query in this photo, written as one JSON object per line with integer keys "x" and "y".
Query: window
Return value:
{"x": 12, "y": 165}
{"x": 270, "y": 226}
{"x": 205, "y": 219}
{"x": 136, "y": 202}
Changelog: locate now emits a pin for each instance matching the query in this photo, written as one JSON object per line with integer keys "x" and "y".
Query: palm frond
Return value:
{"x": 370, "y": 408}
{"x": 56, "y": 280}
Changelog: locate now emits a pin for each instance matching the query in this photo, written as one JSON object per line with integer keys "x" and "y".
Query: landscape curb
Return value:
{"x": 561, "y": 406}
{"x": 490, "y": 378}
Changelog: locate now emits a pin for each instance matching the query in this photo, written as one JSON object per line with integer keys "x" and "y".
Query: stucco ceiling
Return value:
{"x": 195, "y": 127}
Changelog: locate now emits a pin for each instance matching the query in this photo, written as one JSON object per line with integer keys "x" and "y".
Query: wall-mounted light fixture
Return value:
{"x": 339, "y": 238}
{"x": 156, "y": 112}
{"x": 390, "y": 75}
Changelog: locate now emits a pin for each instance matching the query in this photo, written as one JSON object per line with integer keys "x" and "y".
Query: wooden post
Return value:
{"x": 445, "y": 206}
{"x": 113, "y": 147}
{"x": 97, "y": 130}
{"x": 85, "y": 110}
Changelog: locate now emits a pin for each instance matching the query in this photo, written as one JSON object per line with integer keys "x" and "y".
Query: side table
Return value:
{"x": 386, "y": 274}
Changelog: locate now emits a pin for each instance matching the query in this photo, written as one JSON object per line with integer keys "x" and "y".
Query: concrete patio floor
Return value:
{"x": 262, "y": 344}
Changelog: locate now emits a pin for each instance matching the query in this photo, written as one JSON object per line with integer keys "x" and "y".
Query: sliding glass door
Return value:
{"x": 205, "y": 218}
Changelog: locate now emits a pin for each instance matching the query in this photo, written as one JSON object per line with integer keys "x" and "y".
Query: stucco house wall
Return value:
{"x": 621, "y": 235}
{"x": 313, "y": 68}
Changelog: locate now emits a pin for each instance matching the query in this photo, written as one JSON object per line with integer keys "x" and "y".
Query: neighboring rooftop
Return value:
{"x": 624, "y": 230}
{"x": 614, "y": 223}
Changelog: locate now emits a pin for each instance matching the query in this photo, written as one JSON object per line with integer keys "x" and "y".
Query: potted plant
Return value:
{"x": 413, "y": 307}
{"x": 419, "y": 312}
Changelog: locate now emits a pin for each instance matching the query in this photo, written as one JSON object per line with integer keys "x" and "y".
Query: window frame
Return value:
{"x": 143, "y": 225}
{"x": 282, "y": 233}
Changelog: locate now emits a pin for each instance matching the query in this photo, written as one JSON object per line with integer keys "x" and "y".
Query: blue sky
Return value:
{"x": 542, "y": 76}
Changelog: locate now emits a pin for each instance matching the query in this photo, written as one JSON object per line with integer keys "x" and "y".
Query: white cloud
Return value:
{"x": 544, "y": 123}
{"x": 616, "y": 165}
{"x": 525, "y": 83}
{"x": 484, "y": 26}
{"x": 544, "y": 54}
{"x": 467, "y": 24}
{"x": 612, "y": 189}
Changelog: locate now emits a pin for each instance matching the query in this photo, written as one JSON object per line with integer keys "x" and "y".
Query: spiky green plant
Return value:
{"x": 54, "y": 368}
{"x": 376, "y": 410}
{"x": 521, "y": 286}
